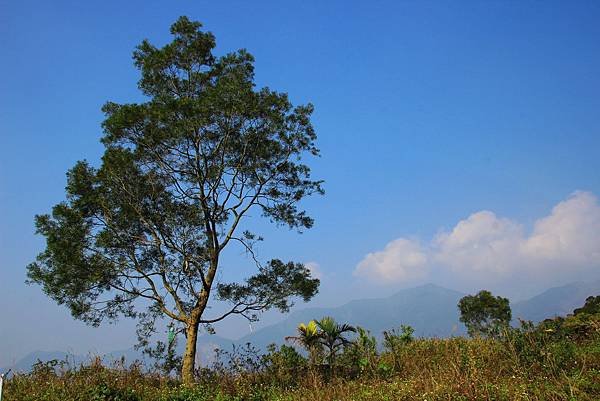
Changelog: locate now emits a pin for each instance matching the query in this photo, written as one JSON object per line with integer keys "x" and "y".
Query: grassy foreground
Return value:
{"x": 556, "y": 360}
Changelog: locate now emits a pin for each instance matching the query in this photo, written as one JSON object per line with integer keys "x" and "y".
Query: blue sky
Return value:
{"x": 444, "y": 127}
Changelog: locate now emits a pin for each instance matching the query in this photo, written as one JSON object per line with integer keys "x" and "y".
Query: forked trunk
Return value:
{"x": 189, "y": 357}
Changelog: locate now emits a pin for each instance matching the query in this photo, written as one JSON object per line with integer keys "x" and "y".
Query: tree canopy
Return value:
{"x": 141, "y": 234}
{"x": 591, "y": 306}
{"x": 484, "y": 314}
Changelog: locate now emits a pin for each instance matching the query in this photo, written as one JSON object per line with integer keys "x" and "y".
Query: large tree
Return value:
{"x": 141, "y": 235}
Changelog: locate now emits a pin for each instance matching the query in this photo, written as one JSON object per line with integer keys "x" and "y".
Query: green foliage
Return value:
{"x": 394, "y": 340}
{"x": 322, "y": 338}
{"x": 529, "y": 363}
{"x": 240, "y": 359}
{"x": 484, "y": 314}
{"x": 537, "y": 352}
{"x": 550, "y": 361}
{"x": 332, "y": 337}
{"x": 591, "y": 307}
{"x": 365, "y": 346}
{"x": 103, "y": 392}
{"x": 309, "y": 338}
{"x": 165, "y": 356}
{"x": 558, "y": 359}
{"x": 284, "y": 365}
{"x": 361, "y": 357}
{"x": 141, "y": 234}
{"x": 272, "y": 286}
{"x": 551, "y": 347}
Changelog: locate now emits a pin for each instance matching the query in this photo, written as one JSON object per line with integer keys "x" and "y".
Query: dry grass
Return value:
{"x": 523, "y": 366}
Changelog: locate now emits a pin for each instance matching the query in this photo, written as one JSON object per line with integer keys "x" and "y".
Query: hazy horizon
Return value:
{"x": 271, "y": 318}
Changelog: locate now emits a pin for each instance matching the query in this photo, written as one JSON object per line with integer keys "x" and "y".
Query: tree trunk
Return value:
{"x": 189, "y": 357}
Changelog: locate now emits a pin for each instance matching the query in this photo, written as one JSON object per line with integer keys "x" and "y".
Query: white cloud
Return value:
{"x": 481, "y": 243}
{"x": 570, "y": 236}
{"x": 484, "y": 248}
{"x": 401, "y": 260}
{"x": 315, "y": 269}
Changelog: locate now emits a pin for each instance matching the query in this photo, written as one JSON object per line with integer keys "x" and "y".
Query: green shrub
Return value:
{"x": 360, "y": 357}
{"x": 104, "y": 392}
{"x": 284, "y": 365}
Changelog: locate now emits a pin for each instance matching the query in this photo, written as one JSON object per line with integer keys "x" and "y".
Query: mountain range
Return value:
{"x": 431, "y": 310}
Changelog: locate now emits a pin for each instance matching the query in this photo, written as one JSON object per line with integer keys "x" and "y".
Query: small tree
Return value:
{"x": 332, "y": 336}
{"x": 142, "y": 235}
{"x": 364, "y": 350}
{"x": 309, "y": 337}
{"x": 394, "y": 341}
{"x": 484, "y": 314}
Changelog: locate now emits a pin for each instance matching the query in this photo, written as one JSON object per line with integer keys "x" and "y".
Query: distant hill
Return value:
{"x": 558, "y": 301}
{"x": 206, "y": 347}
{"x": 431, "y": 310}
{"x": 24, "y": 364}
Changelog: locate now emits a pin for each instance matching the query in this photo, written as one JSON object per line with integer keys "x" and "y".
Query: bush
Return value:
{"x": 104, "y": 392}
{"x": 393, "y": 343}
{"x": 284, "y": 365}
{"x": 360, "y": 357}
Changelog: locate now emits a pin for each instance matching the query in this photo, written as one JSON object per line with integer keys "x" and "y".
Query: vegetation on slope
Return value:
{"x": 558, "y": 359}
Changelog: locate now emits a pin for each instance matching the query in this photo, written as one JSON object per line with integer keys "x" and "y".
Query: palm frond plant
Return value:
{"x": 309, "y": 337}
{"x": 332, "y": 336}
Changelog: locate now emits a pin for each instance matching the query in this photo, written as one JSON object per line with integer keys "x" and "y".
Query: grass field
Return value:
{"x": 555, "y": 360}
